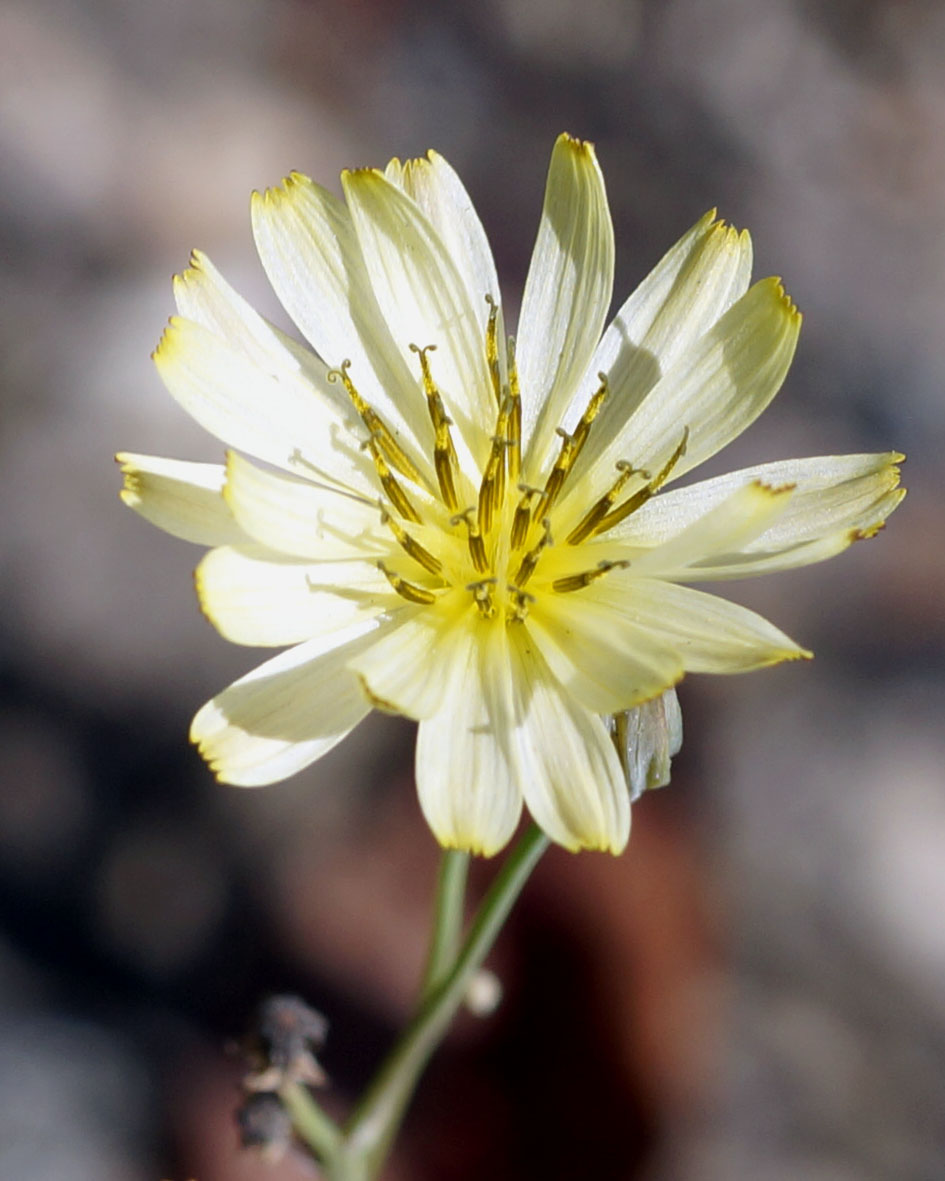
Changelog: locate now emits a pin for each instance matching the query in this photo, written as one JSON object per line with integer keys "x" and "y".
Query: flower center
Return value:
{"x": 490, "y": 541}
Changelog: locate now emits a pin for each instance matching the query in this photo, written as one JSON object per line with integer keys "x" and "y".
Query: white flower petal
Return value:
{"x": 567, "y": 294}
{"x": 285, "y": 714}
{"x": 837, "y": 499}
{"x": 709, "y": 634}
{"x": 469, "y": 792}
{"x": 182, "y": 498}
{"x": 276, "y": 416}
{"x": 830, "y": 492}
{"x": 407, "y": 670}
{"x": 696, "y": 282}
{"x": 253, "y": 597}
{"x": 714, "y": 391}
{"x": 571, "y": 776}
{"x": 725, "y": 529}
{"x": 440, "y": 194}
{"x": 603, "y": 658}
{"x": 203, "y": 295}
{"x": 424, "y": 300}
{"x": 310, "y": 252}
{"x": 300, "y": 518}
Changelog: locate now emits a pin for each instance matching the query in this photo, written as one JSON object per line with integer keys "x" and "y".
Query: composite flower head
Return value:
{"x": 477, "y": 534}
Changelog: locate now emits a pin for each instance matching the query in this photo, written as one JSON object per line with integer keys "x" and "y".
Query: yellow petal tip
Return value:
{"x": 579, "y": 147}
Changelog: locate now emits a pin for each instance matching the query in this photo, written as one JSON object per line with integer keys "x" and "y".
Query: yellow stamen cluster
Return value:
{"x": 509, "y": 527}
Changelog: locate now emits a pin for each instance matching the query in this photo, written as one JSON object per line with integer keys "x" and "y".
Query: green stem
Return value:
{"x": 318, "y": 1130}
{"x": 371, "y": 1129}
{"x": 447, "y": 919}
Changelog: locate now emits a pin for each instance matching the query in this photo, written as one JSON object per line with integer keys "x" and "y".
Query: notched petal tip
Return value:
{"x": 130, "y": 491}
{"x": 794, "y": 654}
{"x": 204, "y": 726}
{"x": 200, "y": 589}
{"x": 772, "y": 492}
{"x": 602, "y": 844}
{"x": 231, "y": 460}
{"x": 775, "y": 490}
{"x": 362, "y": 176}
{"x": 168, "y": 342}
{"x": 471, "y": 844}
{"x": 870, "y": 531}
{"x": 580, "y": 147}
{"x": 784, "y": 300}
{"x": 276, "y": 195}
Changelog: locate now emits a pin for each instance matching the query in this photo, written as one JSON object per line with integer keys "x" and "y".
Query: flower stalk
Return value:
{"x": 357, "y": 1151}
{"x": 447, "y": 918}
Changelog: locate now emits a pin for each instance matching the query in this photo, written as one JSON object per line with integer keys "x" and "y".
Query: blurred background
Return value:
{"x": 755, "y": 990}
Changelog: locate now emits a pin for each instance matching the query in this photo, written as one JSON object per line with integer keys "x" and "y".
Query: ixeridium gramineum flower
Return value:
{"x": 477, "y": 535}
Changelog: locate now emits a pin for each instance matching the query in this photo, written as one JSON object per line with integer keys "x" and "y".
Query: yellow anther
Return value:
{"x": 407, "y": 590}
{"x": 395, "y": 493}
{"x": 559, "y": 473}
{"x": 377, "y": 428}
{"x": 444, "y": 453}
{"x": 577, "y": 581}
{"x": 518, "y": 603}
{"x": 492, "y": 488}
{"x": 640, "y": 498}
{"x": 411, "y": 546}
{"x": 483, "y": 592}
{"x": 515, "y": 416}
{"x": 583, "y": 428}
{"x": 443, "y": 463}
{"x": 522, "y": 520}
{"x": 477, "y": 547}
{"x": 530, "y": 561}
{"x": 492, "y": 348}
{"x": 671, "y": 462}
{"x": 599, "y": 511}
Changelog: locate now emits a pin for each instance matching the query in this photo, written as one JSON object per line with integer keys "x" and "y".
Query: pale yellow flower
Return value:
{"x": 474, "y": 539}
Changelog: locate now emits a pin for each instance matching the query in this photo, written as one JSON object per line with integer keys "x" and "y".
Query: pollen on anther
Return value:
{"x": 407, "y": 590}
{"x": 483, "y": 593}
{"x": 378, "y": 430}
{"x": 477, "y": 547}
{"x": 530, "y": 561}
{"x": 578, "y": 581}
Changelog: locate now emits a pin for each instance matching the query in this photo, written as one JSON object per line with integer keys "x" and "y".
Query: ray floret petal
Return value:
{"x": 479, "y": 533}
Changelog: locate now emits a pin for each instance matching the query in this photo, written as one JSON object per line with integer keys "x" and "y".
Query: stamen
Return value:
{"x": 559, "y": 473}
{"x": 444, "y": 453}
{"x": 640, "y": 498}
{"x": 599, "y": 511}
{"x": 522, "y": 520}
{"x": 515, "y": 416}
{"x": 571, "y": 448}
{"x": 530, "y": 561}
{"x": 407, "y": 590}
{"x": 477, "y": 547}
{"x": 492, "y": 488}
{"x": 577, "y": 581}
{"x": 583, "y": 428}
{"x": 484, "y": 595}
{"x": 671, "y": 462}
{"x": 521, "y": 600}
{"x": 492, "y": 349}
{"x": 411, "y": 546}
{"x": 395, "y": 493}
{"x": 376, "y": 426}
